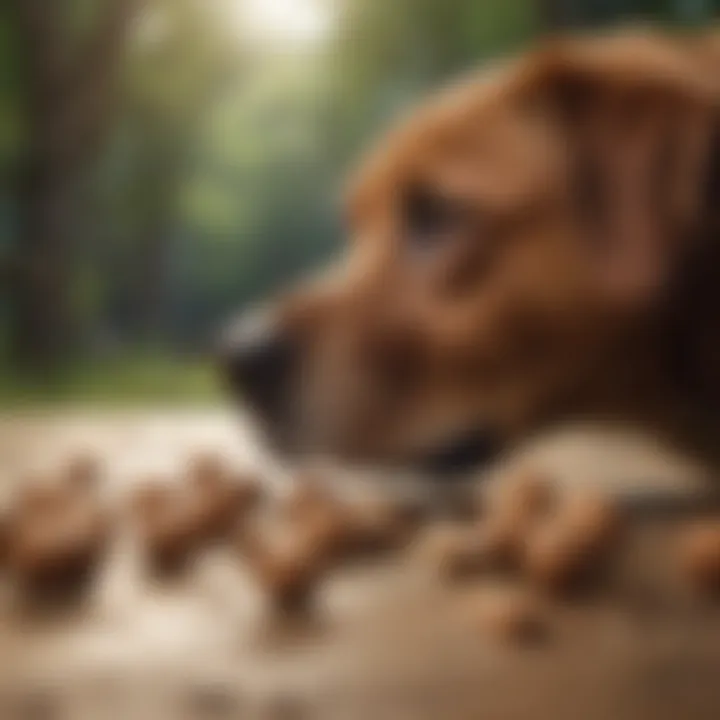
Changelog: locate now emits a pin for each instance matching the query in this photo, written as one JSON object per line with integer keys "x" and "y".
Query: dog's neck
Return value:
{"x": 664, "y": 371}
{"x": 690, "y": 321}
{"x": 683, "y": 353}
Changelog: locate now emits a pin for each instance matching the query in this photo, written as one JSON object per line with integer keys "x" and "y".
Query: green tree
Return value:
{"x": 179, "y": 66}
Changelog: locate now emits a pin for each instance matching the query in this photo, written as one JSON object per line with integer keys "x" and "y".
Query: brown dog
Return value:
{"x": 537, "y": 242}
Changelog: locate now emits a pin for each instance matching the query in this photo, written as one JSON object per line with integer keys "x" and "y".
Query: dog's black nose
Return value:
{"x": 257, "y": 357}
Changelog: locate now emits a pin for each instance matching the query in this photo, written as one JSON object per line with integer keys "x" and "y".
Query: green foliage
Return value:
{"x": 116, "y": 381}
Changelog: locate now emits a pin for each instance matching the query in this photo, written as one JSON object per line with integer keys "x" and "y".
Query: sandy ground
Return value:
{"x": 388, "y": 641}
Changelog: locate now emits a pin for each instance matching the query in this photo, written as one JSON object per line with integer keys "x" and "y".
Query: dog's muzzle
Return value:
{"x": 257, "y": 359}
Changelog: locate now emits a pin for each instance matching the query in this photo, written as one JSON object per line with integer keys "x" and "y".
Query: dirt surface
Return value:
{"x": 387, "y": 641}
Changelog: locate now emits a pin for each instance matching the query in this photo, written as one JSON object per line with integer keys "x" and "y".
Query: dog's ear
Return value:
{"x": 640, "y": 124}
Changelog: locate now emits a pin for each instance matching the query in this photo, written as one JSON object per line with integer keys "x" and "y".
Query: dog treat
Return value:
{"x": 516, "y": 622}
{"x": 289, "y": 578}
{"x": 345, "y": 529}
{"x": 219, "y": 501}
{"x": 526, "y": 498}
{"x": 569, "y": 552}
{"x": 340, "y": 532}
{"x": 597, "y": 520}
{"x": 307, "y": 496}
{"x": 699, "y": 555}
{"x": 167, "y": 524}
{"x": 329, "y": 534}
{"x": 555, "y": 560}
{"x": 509, "y": 615}
{"x": 469, "y": 551}
{"x": 169, "y": 543}
{"x": 54, "y": 559}
{"x": 287, "y": 569}
{"x": 504, "y": 540}
{"x": 379, "y": 525}
{"x": 38, "y": 493}
{"x": 56, "y": 539}
{"x": 244, "y": 493}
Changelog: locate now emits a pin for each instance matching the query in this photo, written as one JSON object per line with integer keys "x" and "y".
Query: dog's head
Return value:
{"x": 509, "y": 244}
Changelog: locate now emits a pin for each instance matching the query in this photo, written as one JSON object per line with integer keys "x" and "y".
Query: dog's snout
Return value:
{"x": 257, "y": 356}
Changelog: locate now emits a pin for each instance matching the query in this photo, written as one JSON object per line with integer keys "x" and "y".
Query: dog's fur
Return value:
{"x": 536, "y": 242}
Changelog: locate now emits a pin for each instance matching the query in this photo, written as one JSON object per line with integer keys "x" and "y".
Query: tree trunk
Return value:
{"x": 69, "y": 103}
{"x": 43, "y": 327}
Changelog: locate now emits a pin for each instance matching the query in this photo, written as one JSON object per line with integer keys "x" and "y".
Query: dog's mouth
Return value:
{"x": 473, "y": 449}
{"x": 443, "y": 461}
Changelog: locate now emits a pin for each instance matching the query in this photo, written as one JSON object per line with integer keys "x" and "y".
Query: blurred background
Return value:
{"x": 164, "y": 162}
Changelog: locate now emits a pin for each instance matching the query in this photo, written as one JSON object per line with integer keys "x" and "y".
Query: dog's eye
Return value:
{"x": 428, "y": 217}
